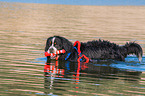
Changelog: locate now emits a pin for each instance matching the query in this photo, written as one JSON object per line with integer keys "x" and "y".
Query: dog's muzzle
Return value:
{"x": 53, "y": 50}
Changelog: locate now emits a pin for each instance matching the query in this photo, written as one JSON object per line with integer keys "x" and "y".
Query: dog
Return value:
{"x": 94, "y": 50}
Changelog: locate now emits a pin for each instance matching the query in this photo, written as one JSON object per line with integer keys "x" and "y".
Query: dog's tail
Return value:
{"x": 133, "y": 48}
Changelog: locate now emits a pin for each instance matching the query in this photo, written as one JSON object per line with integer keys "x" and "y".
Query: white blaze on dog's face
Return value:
{"x": 52, "y": 48}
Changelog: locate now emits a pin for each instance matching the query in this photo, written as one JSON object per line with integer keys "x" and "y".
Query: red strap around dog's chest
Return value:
{"x": 79, "y": 52}
{"x": 79, "y": 46}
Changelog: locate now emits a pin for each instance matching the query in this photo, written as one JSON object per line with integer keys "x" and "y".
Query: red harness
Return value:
{"x": 63, "y": 51}
{"x": 79, "y": 52}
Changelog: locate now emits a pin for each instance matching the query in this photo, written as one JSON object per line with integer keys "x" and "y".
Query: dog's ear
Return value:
{"x": 47, "y": 44}
{"x": 66, "y": 44}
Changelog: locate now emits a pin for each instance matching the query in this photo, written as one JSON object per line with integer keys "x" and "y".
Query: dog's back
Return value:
{"x": 105, "y": 50}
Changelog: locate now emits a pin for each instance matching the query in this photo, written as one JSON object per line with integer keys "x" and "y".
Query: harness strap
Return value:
{"x": 79, "y": 46}
{"x": 67, "y": 56}
{"x": 79, "y": 52}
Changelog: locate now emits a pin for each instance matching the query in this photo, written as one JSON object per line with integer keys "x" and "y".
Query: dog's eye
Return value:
{"x": 55, "y": 43}
{"x": 50, "y": 42}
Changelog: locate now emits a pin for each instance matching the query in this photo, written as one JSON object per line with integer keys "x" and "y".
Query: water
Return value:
{"x": 24, "y": 29}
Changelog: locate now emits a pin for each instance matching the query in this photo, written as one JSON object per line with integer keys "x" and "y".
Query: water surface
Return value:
{"x": 24, "y": 29}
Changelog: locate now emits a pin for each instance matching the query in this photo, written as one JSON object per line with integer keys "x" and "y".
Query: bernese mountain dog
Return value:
{"x": 94, "y": 50}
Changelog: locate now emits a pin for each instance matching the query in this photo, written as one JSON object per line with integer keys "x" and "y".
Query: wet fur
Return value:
{"x": 97, "y": 49}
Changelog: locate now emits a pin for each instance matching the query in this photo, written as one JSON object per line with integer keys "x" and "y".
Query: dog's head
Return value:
{"x": 56, "y": 43}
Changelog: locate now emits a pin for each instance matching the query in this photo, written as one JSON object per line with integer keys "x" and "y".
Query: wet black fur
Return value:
{"x": 97, "y": 49}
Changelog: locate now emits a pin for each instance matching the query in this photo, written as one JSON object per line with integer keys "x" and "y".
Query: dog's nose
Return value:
{"x": 51, "y": 50}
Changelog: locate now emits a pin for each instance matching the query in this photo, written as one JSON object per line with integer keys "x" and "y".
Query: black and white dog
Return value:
{"x": 99, "y": 49}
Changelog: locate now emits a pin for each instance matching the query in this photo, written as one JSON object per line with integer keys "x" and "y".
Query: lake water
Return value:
{"x": 24, "y": 29}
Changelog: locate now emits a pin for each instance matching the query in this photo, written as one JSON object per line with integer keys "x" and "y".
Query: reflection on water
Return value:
{"x": 24, "y": 29}
{"x": 85, "y": 79}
